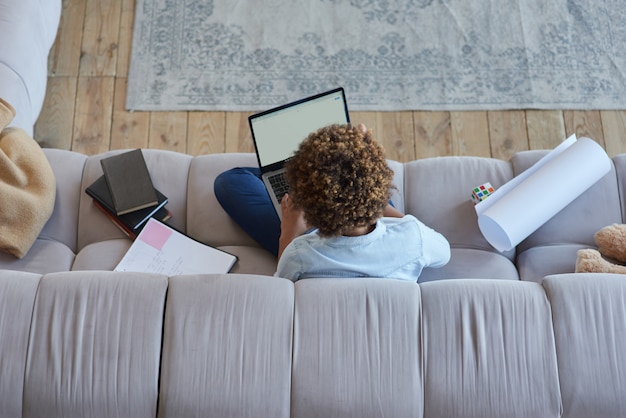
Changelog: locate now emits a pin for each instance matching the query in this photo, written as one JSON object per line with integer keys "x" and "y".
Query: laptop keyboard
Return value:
{"x": 279, "y": 185}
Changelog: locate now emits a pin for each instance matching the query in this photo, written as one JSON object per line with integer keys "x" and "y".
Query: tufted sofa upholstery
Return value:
{"x": 436, "y": 190}
{"x": 105, "y": 344}
{"x": 489, "y": 335}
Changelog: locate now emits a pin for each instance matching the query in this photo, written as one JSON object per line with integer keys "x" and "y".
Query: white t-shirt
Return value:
{"x": 397, "y": 248}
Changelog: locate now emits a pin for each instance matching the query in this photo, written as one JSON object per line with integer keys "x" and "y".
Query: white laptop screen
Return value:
{"x": 278, "y": 133}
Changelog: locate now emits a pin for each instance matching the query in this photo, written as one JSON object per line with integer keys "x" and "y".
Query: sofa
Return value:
{"x": 78, "y": 236}
{"x": 491, "y": 334}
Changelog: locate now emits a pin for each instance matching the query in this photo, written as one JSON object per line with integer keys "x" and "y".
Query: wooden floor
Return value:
{"x": 85, "y": 111}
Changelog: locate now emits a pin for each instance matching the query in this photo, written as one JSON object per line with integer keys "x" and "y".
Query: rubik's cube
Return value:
{"x": 482, "y": 192}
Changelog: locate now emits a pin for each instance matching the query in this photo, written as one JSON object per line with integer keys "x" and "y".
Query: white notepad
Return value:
{"x": 161, "y": 249}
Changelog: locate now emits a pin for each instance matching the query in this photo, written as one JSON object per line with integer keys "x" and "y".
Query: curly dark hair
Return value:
{"x": 340, "y": 179}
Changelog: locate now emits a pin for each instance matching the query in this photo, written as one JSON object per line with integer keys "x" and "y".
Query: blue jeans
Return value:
{"x": 243, "y": 196}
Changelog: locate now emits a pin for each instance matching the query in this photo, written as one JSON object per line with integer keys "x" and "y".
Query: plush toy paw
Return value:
{"x": 591, "y": 261}
{"x": 611, "y": 242}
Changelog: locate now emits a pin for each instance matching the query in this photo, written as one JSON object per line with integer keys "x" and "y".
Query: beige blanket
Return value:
{"x": 27, "y": 187}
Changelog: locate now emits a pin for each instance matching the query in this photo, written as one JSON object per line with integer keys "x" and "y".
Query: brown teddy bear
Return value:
{"x": 610, "y": 255}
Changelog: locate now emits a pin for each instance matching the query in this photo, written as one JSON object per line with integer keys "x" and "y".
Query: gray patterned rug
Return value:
{"x": 389, "y": 55}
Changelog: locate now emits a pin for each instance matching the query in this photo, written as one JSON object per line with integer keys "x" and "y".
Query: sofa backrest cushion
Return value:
{"x": 580, "y": 220}
{"x": 397, "y": 194}
{"x": 357, "y": 349}
{"x": 489, "y": 350}
{"x": 169, "y": 172}
{"x": 68, "y": 170}
{"x": 95, "y": 345}
{"x": 17, "y": 298}
{"x": 469, "y": 263}
{"x": 536, "y": 263}
{"x": 227, "y": 347}
{"x": 589, "y": 315}
{"x": 438, "y": 192}
{"x": 620, "y": 170}
{"x": 207, "y": 219}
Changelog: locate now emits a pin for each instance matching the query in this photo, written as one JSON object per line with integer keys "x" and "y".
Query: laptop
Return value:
{"x": 277, "y": 133}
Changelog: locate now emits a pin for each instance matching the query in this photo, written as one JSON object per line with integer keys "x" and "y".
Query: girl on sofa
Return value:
{"x": 340, "y": 183}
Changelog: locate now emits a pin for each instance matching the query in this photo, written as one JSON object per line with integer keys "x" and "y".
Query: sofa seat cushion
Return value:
{"x": 535, "y": 263}
{"x": 45, "y": 256}
{"x": 469, "y": 263}
{"x": 103, "y": 255}
{"x": 251, "y": 260}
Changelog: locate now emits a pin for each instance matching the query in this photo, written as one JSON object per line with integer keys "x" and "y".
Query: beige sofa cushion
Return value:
{"x": 357, "y": 349}
{"x": 17, "y": 297}
{"x": 588, "y": 313}
{"x": 227, "y": 347}
{"x": 95, "y": 345}
{"x": 489, "y": 350}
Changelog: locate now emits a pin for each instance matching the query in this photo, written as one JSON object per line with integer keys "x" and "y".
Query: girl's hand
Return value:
{"x": 292, "y": 225}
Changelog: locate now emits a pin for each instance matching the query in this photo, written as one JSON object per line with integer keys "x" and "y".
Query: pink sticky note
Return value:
{"x": 155, "y": 234}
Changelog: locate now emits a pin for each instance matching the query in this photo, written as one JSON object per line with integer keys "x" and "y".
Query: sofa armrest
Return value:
{"x": 28, "y": 29}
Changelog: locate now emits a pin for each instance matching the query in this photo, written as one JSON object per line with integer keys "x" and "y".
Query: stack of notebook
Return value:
{"x": 125, "y": 193}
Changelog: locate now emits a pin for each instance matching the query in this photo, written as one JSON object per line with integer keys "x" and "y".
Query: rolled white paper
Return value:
{"x": 522, "y": 205}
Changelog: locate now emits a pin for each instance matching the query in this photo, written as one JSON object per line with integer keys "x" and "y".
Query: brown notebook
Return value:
{"x": 129, "y": 182}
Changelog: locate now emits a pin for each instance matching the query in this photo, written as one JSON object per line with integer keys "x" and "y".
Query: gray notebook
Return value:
{"x": 129, "y": 182}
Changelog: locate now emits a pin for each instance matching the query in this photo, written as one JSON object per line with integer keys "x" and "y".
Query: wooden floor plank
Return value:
{"x": 614, "y": 127}
{"x": 397, "y": 136}
{"x": 238, "y": 136}
{"x": 168, "y": 131}
{"x": 372, "y": 120}
{"x": 585, "y": 123}
{"x": 546, "y": 128}
{"x": 206, "y": 133}
{"x": 507, "y": 133}
{"x": 56, "y": 122}
{"x": 92, "y": 115}
{"x": 129, "y": 130}
{"x": 64, "y": 56}
{"x": 125, "y": 38}
{"x": 433, "y": 134}
{"x": 470, "y": 133}
{"x": 100, "y": 38}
